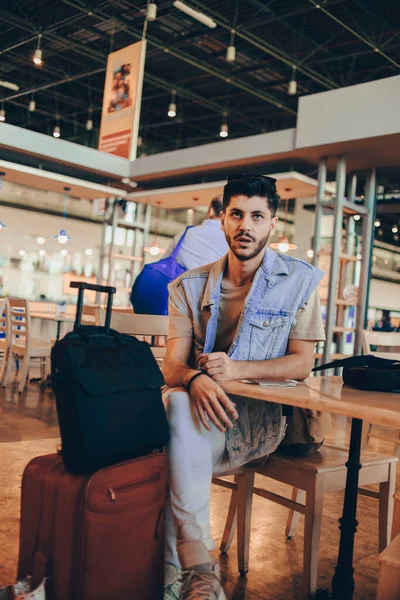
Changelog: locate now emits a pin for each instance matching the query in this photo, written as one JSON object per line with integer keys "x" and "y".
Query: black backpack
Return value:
{"x": 369, "y": 373}
{"x": 108, "y": 394}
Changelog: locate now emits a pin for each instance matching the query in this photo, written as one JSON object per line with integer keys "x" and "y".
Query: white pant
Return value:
{"x": 194, "y": 455}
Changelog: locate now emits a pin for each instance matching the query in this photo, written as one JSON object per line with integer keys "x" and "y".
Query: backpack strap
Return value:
{"x": 368, "y": 360}
{"x": 175, "y": 251}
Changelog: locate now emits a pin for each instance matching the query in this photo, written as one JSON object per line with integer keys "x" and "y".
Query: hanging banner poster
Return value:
{"x": 122, "y": 100}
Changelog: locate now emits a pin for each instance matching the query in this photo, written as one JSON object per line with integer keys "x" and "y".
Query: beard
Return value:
{"x": 247, "y": 252}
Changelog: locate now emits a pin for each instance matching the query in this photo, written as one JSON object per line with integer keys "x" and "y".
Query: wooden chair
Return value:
{"x": 149, "y": 327}
{"x": 23, "y": 346}
{"x": 5, "y": 342}
{"x": 89, "y": 315}
{"x": 391, "y": 342}
{"x": 396, "y": 516}
{"x": 389, "y": 572}
{"x": 310, "y": 477}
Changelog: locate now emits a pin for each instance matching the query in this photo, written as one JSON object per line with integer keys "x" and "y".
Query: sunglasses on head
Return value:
{"x": 247, "y": 176}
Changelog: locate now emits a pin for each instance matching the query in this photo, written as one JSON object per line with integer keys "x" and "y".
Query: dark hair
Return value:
{"x": 217, "y": 206}
{"x": 252, "y": 185}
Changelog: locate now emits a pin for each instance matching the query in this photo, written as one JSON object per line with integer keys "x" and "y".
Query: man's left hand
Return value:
{"x": 218, "y": 366}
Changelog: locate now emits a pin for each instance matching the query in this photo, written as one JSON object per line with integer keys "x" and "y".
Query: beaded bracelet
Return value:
{"x": 189, "y": 383}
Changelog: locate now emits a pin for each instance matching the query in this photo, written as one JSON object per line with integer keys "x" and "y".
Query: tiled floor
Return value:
{"x": 28, "y": 428}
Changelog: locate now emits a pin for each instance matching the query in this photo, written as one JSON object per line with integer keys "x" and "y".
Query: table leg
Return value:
{"x": 58, "y": 330}
{"x": 343, "y": 579}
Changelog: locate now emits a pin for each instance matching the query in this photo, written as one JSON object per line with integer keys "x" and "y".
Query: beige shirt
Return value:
{"x": 308, "y": 325}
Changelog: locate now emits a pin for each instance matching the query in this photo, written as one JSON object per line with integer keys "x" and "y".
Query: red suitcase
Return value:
{"x": 95, "y": 537}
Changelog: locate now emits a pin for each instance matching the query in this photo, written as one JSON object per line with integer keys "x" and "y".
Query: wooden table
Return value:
{"x": 52, "y": 317}
{"x": 328, "y": 394}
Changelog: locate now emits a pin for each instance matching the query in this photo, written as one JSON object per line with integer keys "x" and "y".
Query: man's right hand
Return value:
{"x": 210, "y": 401}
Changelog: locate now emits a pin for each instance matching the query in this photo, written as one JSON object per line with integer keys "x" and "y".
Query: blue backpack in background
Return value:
{"x": 149, "y": 294}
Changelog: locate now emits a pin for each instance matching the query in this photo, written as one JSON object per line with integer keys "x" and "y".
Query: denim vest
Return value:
{"x": 281, "y": 286}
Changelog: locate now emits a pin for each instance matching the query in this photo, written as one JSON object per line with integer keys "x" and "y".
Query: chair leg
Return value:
{"x": 298, "y": 495}
{"x": 366, "y": 433}
{"x": 244, "y": 506}
{"x": 8, "y": 369}
{"x": 231, "y": 520}
{"x": 396, "y": 445}
{"x": 24, "y": 374}
{"x": 6, "y": 358}
{"x": 43, "y": 369}
{"x": 386, "y": 507}
{"x": 312, "y": 535}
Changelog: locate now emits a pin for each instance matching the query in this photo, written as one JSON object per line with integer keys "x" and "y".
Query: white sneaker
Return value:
{"x": 173, "y": 582}
{"x": 202, "y": 583}
{"x": 22, "y": 591}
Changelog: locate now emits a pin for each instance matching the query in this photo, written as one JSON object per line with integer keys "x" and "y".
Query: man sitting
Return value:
{"x": 250, "y": 315}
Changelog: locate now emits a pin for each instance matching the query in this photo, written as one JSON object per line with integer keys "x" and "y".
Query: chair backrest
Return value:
{"x": 148, "y": 327}
{"x": 89, "y": 314}
{"x": 20, "y": 321}
{"x": 390, "y": 341}
{"x": 5, "y": 325}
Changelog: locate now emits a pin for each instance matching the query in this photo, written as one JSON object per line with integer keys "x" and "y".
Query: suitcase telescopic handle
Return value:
{"x": 82, "y": 286}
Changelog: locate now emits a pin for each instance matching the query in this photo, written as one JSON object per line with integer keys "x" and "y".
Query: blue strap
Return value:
{"x": 179, "y": 244}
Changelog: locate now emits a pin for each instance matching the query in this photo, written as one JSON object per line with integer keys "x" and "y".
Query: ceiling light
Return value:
{"x": 380, "y": 232}
{"x": 62, "y": 237}
{"x": 172, "y": 110}
{"x": 195, "y": 14}
{"x": 63, "y": 252}
{"x": 283, "y": 245}
{"x": 310, "y": 253}
{"x": 9, "y": 85}
{"x": 292, "y": 89}
{"x": 40, "y": 240}
{"x": 133, "y": 184}
{"x": 151, "y": 12}
{"x": 359, "y": 256}
{"x": 42, "y": 252}
{"x": 32, "y": 105}
{"x": 56, "y": 130}
{"x": 22, "y": 252}
{"x": 38, "y": 55}
{"x": 231, "y": 50}
{"x": 377, "y": 223}
{"x": 125, "y": 180}
{"x": 224, "y": 132}
{"x": 172, "y": 106}
{"x": 230, "y": 54}
{"x": 2, "y": 114}
{"x": 88, "y": 252}
{"x": 89, "y": 122}
{"x": 154, "y": 249}
{"x": 356, "y": 217}
{"x": 395, "y": 229}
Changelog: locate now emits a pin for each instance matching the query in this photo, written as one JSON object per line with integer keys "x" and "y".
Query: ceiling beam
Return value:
{"x": 270, "y": 49}
{"x": 185, "y": 57}
{"x": 374, "y": 47}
